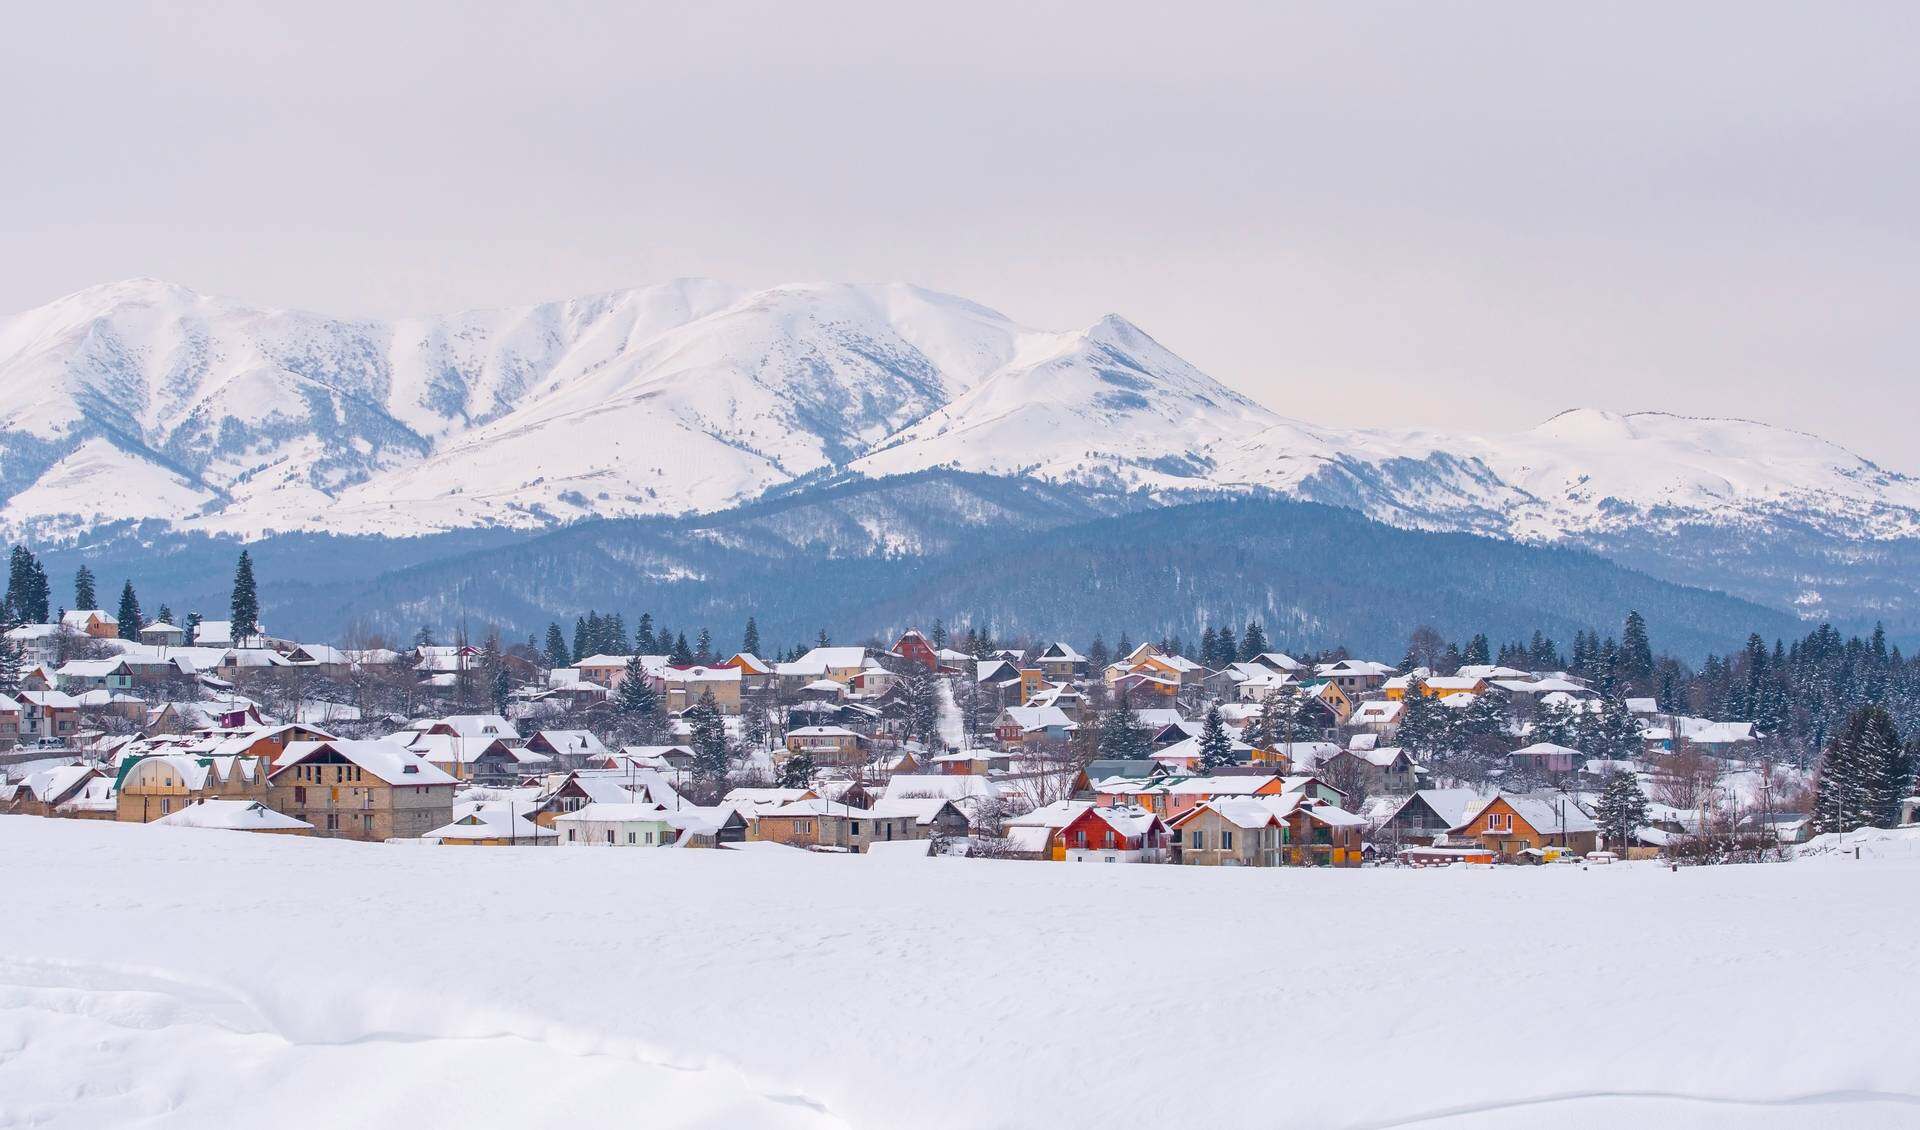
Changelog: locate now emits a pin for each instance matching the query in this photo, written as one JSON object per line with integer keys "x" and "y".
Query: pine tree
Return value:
{"x": 938, "y": 636}
{"x": 1612, "y": 732}
{"x": 12, "y": 662}
{"x": 1621, "y": 811}
{"x": 1216, "y": 748}
{"x": 750, "y": 639}
{"x": 83, "y": 594}
{"x": 1098, "y": 656}
{"x": 245, "y": 605}
{"x": 1210, "y": 648}
{"x": 644, "y": 641}
{"x": 557, "y": 653}
{"x": 1636, "y": 656}
{"x": 1863, "y": 774}
{"x": 923, "y": 706}
{"x": 634, "y": 702}
{"x": 129, "y": 615}
{"x": 1422, "y": 731}
{"x": 1254, "y": 643}
{"x": 682, "y": 655}
{"x": 164, "y": 616}
{"x": 192, "y": 627}
{"x": 824, "y": 640}
{"x": 1121, "y": 735}
{"x": 797, "y": 772}
{"x": 1477, "y": 651}
{"x": 582, "y": 642}
{"x": 712, "y": 754}
{"x": 423, "y": 637}
{"x": 703, "y": 647}
{"x": 616, "y": 629}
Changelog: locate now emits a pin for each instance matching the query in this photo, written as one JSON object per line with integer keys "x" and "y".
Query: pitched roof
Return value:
{"x": 387, "y": 761}
{"x": 231, "y": 815}
{"x": 1543, "y": 814}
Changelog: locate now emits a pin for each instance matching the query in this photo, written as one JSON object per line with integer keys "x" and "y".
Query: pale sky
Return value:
{"x": 1421, "y": 214}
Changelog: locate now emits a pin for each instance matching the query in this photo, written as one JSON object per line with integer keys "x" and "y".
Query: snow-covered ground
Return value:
{"x": 174, "y": 978}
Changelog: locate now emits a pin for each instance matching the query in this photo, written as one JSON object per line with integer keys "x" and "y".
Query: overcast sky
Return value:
{"x": 1461, "y": 216}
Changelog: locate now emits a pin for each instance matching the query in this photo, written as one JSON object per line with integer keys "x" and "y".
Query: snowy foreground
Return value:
{"x": 159, "y": 977}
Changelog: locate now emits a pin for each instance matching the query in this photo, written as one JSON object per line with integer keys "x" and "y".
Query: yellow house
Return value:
{"x": 1440, "y": 686}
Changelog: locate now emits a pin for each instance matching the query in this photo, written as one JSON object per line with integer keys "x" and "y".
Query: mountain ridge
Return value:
{"x": 143, "y": 400}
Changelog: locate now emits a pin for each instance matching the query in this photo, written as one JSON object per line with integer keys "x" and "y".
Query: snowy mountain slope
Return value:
{"x": 144, "y": 400}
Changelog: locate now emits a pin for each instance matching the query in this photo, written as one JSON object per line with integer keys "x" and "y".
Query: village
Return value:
{"x": 914, "y": 747}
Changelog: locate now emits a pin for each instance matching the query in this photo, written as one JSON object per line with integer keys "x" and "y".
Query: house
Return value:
{"x": 48, "y": 717}
{"x": 914, "y": 647}
{"x": 1439, "y": 686}
{"x": 1546, "y": 758}
{"x": 91, "y": 622}
{"x": 972, "y": 762}
{"x": 1059, "y": 662}
{"x": 1354, "y": 677}
{"x": 235, "y": 816}
{"x": 1231, "y": 832}
{"x": 1033, "y": 725}
{"x": 1512, "y": 824}
{"x": 1112, "y": 835}
{"x": 63, "y": 790}
{"x": 38, "y": 643}
{"x": 833, "y": 825}
{"x": 829, "y": 745}
{"x": 1429, "y": 813}
{"x": 149, "y": 786}
{"x": 569, "y": 749}
{"x": 219, "y": 633}
{"x": 932, "y": 816}
{"x": 686, "y": 687}
{"x": 836, "y": 663}
{"x": 1378, "y": 716}
{"x": 360, "y": 790}
{"x": 493, "y": 824}
{"x": 94, "y": 674}
{"x": 615, "y": 825}
{"x": 162, "y": 634}
{"x": 9, "y": 722}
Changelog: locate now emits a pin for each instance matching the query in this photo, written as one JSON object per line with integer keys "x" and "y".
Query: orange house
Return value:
{"x": 1510, "y": 824}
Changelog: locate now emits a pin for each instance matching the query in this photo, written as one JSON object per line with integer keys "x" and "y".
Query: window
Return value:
{"x": 1198, "y": 841}
{"x": 856, "y": 826}
{"x": 1226, "y": 840}
{"x": 609, "y": 835}
{"x": 569, "y": 835}
{"x": 166, "y": 806}
{"x": 1499, "y": 822}
{"x": 649, "y": 837}
{"x": 333, "y": 822}
{"x": 630, "y": 836}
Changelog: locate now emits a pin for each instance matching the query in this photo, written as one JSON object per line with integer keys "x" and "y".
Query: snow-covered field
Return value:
{"x": 172, "y": 978}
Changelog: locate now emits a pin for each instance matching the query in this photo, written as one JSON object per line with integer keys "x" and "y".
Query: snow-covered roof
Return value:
{"x": 232, "y": 815}
{"x": 943, "y": 786}
{"x": 1451, "y": 805}
{"x": 1546, "y": 749}
{"x": 615, "y": 813}
{"x": 703, "y": 675}
{"x": 492, "y": 821}
{"x": 1544, "y": 814}
{"x": 1031, "y": 718}
{"x": 388, "y": 761}
{"x": 836, "y": 658}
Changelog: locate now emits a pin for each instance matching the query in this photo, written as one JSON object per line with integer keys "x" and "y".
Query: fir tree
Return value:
{"x": 1423, "y": 730}
{"x": 1477, "y": 651}
{"x": 682, "y": 655}
{"x": 1612, "y": 732}
{"x": 712, "y": 754}
{"x": 634, "y": 702}
{"x": 12, "y": 662}
{"x": 938, "y": 635}
{"x": 423, "y": 637}
{"x": 191, "y": 627}
{"x": 129, "y": 615}
{"x": 750, "y": 639}
{"x": 1636, "y": 656}
{"x": 83, "y": 594}
{"x": 1121, "y": 735}
{"x": 703, "y": 647}
{"x": 1254, "y": 643}
{"x": 245, "y": 605}
{"x": 582, "y": 642}
{"x": 824, "y": 640}
{"x": 164, "y": 616}
{"x": 616, "y": 639}
{"x": 644, "y": 641}
{"x": 923, "y": 706}
{"x": 1210, "y": 648}
{"x": 1863, "y": 774}
{"x": 797, "y": 772}
{"x": 1621, "y": 811}
{"x": 557, "y": 653}
{"x": 1216, "y": 748}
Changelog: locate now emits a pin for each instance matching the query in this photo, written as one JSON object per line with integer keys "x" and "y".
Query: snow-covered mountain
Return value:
{"x": 144, "y": 400}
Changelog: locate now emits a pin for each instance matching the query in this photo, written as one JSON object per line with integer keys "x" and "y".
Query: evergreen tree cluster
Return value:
{"x": 1865, "y": 772}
